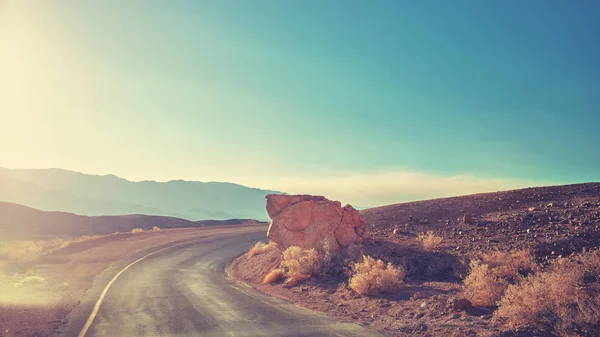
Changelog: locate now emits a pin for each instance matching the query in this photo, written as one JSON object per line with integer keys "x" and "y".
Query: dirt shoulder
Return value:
{"x": 36, "y": 296}
{"x": 420, "y": 308}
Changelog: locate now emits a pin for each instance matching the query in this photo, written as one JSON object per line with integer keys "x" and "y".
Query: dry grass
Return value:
{"x": 137, "y": 230}
{"x": 155, "y": 229}
{"x": 274, "y": 276}
{"x": 29, "y": 251}
{"x": 482, "y": 286}
{"x": 294, "y": 278}
{"x": 301, "y": 261}
{"x": 261, "y": 247}
{"x": 429, "y": 240}
{"x": 565, "y": 299}
{"x": 371, "y": 277}
{"x": 489, "y": 278}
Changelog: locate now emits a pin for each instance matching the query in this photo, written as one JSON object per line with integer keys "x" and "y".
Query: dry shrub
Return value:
{"x": 137, "y": 230}
{"x": 430, "y": 241}
{"x": 301, "y": 261}
{"x": 22, "y": 251}
{"x": 155, "y": 229}
{"x": 564, "y": 299}
{"x": 511, "y": 266}
{"x": 274, "y": 276}
{"x": 488, "y": 279}
{"x": 482, "y": 286}
{"x": 294, "y": 278}
{"x": 261, "y": 247}
{"x": 371, "y": 277}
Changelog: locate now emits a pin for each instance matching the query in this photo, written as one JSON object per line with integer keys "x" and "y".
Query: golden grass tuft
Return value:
{"x": 22, "y": 251}
{"x": 429, "y": 240}
{"x": 137, "y": 230}
{"x": 489, "y": 278}
{"x": 371, "y": 277}
{"x": 261, "y": 247}
{"x": 155, "y": 229}
{"x": 274, "y": 276}
{"x": 301, "y": 261}
{"x": 565, "y": 298}
{"x": 294, "y": 278}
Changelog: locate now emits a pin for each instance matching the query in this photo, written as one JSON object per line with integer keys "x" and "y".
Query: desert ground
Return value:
{"x": 540, "y": 242}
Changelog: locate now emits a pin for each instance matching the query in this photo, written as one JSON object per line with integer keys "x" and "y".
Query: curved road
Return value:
{"x": 184, "y": 291}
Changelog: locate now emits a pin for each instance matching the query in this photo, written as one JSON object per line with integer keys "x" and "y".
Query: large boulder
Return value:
{"x": 305, "y": 220}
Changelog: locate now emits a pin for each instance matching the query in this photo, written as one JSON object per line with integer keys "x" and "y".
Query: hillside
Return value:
{"x": 509, "y": 235}
{"x": 562, "y": 219}
{"x": 67, "y": 191}
{"x": 18, "y": 222}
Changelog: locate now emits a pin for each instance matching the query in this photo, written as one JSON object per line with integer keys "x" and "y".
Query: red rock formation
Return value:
{"x": 305, "y": 220}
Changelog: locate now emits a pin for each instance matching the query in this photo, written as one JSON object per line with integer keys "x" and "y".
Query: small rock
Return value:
{"x": 418, "y": 296}
{"x": 420, "y": 327}
{"x": 462, "y": 304}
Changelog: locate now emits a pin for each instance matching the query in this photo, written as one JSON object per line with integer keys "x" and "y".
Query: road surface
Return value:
{"x": 184, "y": 291}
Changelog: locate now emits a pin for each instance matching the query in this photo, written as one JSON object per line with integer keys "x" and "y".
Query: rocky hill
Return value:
{"x": 552, "y": 220}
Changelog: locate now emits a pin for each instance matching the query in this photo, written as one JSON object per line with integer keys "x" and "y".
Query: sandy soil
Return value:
{"x": 35, "y": 297}
{"x": 550, "y": 221}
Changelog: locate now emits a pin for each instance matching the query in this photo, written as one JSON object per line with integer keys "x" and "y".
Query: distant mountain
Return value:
{"x": 68, "y": 191}
{"x": 18, "y": 222}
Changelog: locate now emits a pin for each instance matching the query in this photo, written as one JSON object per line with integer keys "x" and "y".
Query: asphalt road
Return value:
{"x": 184, "y": 291}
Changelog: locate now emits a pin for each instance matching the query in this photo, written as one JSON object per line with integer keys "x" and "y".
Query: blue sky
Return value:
{"x": 373, "y": 102}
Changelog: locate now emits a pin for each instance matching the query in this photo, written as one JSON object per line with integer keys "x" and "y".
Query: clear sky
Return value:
{"x": 370, "y": 102}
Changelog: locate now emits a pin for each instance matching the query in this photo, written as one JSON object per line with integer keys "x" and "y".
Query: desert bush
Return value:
{"x": 293, "y": 278}
{"x": 300, "y": 261}
{"x": 371, "y": 277}
{"x": 22, "y": 251}
{"x": 489, "y": 278}
{"x": 511, "y": 266}
{"x": 137, "y": 230}
{"x": 250, "y": 222}
{"x": 482, "y": 286}
{"x": 564, "y": 299}
{"x": 274, "y": 276}
{"x": 261, "y": 247}
{"x": 155, "y": 229}
{"x": 429, "y": 240}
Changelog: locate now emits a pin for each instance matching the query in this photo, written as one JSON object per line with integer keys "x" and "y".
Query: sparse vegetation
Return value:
{"x": 155, "y": 229}
{"x": 371, "y": 277}
{"x": 261, "y": 247}
{"x": 429, "y": 240}
{"x": 137, "y": 230}
{"x": 301, "y": 262}
{"x": 489, "y": 278}
{"x": 274, "y": 276}
{"x": 22, "y": 251}
{"x": 565, "y": 299}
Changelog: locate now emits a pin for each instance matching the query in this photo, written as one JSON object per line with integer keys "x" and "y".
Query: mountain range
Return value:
{"x": 94, "y": 195}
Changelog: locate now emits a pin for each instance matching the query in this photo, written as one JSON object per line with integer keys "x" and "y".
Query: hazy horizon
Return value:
{"x": 370, "y": 104}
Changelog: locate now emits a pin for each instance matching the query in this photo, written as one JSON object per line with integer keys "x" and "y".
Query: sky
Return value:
{"x": 370, "y": 102}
